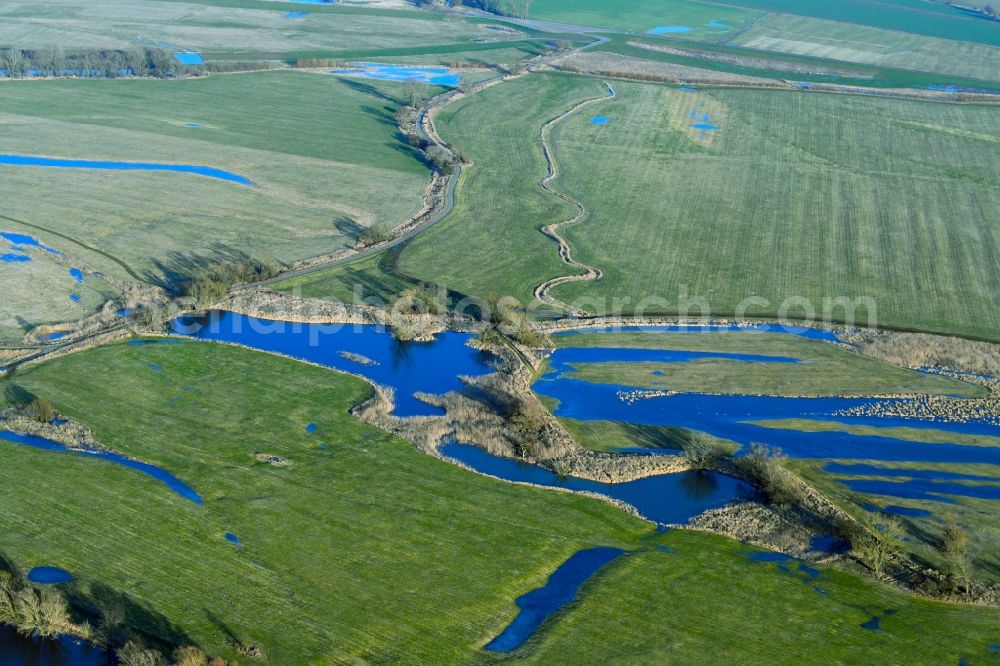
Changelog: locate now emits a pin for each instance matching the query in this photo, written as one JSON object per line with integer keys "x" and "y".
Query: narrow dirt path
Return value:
{"x": 590, "y": 273}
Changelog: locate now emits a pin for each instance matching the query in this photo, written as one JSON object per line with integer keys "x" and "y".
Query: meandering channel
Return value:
{"x": 590, "y": 273}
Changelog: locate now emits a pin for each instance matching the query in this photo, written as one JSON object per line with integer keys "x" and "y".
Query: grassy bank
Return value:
{"x": 824, "y": 369}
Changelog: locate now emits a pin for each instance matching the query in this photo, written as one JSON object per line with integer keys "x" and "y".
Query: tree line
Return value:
{"x": 103, "y": 63}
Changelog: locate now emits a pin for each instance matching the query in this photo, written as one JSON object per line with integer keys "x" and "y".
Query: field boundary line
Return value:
{"x": 126, "y": 267}
{"x": 590, "y": 273}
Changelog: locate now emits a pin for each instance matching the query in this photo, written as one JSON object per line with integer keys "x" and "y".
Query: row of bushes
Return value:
{"x": 104, "y": 63}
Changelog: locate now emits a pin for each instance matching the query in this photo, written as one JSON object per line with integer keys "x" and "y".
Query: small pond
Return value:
{"x": 665, "y": 498}
{"x": 438, "y": 76}
{"x": 560, "y": 589}
{"x": 49, "y": 576}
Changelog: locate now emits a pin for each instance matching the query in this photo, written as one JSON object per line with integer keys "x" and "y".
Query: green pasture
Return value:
{"x": 221, "y": 26}
{"x": 707, "y": 21}
{"x": 323, "y": 168}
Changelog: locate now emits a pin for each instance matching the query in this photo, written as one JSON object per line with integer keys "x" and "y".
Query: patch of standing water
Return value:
{"x": 76, "y": 274}
{"x": 895, "y": 510}
{"x": 24, "y": 240}
{"x": 560, "y": 589}
{"x": 296, "y": 15}
{"x": 64, "y": 650}
{"x": 209, "y": 172}
{"x": 599, "y": 120}
{"x": 189, "y": 58}
{"x": 829, "y": 544}
{"x": 670, "y": 30}
{"x": 49, "y": 576}
{"x": 728, "y": 416}
{"x": 75, "y": 298}
{"x": 56, "y": 336}
{"x": 311, "y": 428}
{"x": 14, "y": 258}
{"x": 665, "y": 498}
{"x": 153, "y": 471}
{"x": 439, "y": 76}
{"x": 407, "y": 367}
{"x": 233, "y": 539}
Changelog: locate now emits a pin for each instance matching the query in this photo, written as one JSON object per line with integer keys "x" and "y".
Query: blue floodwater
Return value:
{"x": 153, "y": 471}
{"x": 895, "y": 510}
{"x": 408, "y": 367}
{"x": 313, "y": 2}
{"x": 726, "y": 416}
{"x": 58, "y": 335}
{"x": 311, "y": 427}
{"x": 12, "y": 258}
{"x": 599, "y": 120}
{"x": 669, "y": 30}
{"x": 75, "y": 298}
{"x": 24, "y": 160}
{"x": 665, "y": 499}
{"x": 24, "y": 240}
{"x": 874, "y": 624}
{"x": 192, "y": 124}
{"x": 560, "y": 589}
{"x": 188, "y": 58}
{"x": 154, "y": 367}
{"x": 76, "y": 274}
{"x": 49, "y": 576}
{"x": 862, "y": 469}
{"x": 687, "y": 89}
{"x": 920, "y": 489}
{"x": 800, "y": 331}
{"x": 232, "y": 538}
{"x": 123, "y": 312}
{"x": 716, "y": 25}
{"x": 827, "y": 543}
{"x": 17, "y": 650}
{"x": 708, "y": 127}
{"x": 296, "y": 15}
{"x": 439, "y": 76}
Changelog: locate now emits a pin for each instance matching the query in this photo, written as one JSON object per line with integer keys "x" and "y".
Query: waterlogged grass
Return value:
{"x": 977, "y": 517}
{"x": 610, "y": 435}
{"x": 928, "y": 435}
{"x": 859, "y": 44}
{"x": 707, "y": 21}
{"x": 704, "y": 602}
{"x": 363, "y": 549}
{"x": 41, "y": 291}
{"x": 323, "y": 167}
{"x": 824, "y": 369}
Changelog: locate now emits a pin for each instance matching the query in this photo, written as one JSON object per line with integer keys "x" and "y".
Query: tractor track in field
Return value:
{"x": 590, "y": 273}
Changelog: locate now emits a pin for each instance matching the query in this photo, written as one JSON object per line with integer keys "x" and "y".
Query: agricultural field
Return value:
{"x": 922, "y": 17}
{"x": 804, "y": 196}
{"x": 403, "y": 567}
{"x": 320, "y": 171}
{"x": 873, "y": 46}
{"x": 690, "y": 19}
{"x": 222, "y": 27}
{"x": 774, "y": 204}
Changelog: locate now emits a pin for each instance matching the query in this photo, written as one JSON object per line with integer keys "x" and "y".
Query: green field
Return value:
{"x": 707, "y": 21}
{"x": 824, "y": 369}
{"x": 798, "y": 200}
{"x": 704, "y": 603}
{"x": 323, "y": 168}
{"x": 233, "y": 27}
{"x": 371, "y": 550}
{"x": 873, "y": 46}
{"x": 921, "y": 17}
{"x": 367, "y": 549}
